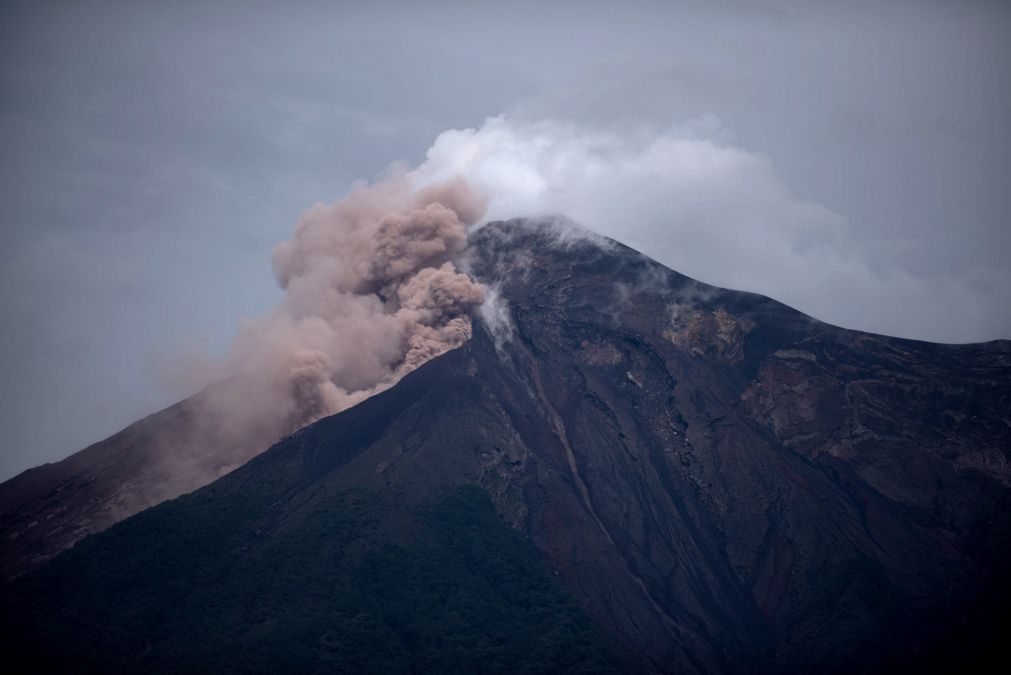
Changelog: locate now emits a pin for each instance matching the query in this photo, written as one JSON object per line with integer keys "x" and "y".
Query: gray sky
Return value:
{"x": 851, "y": 159}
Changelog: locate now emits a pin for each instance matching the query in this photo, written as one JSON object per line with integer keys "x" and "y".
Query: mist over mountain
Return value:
{"x": 621, "y": 468}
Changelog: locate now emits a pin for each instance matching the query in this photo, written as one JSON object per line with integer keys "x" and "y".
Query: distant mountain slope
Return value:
{"x": 47, "y": 509}
{"x": 721, "y": 483}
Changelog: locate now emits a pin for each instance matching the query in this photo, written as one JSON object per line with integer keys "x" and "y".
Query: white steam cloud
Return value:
{"x": 688, "y": 197}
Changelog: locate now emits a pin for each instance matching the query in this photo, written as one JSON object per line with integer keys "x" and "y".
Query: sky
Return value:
{"x": 850, "y": 159}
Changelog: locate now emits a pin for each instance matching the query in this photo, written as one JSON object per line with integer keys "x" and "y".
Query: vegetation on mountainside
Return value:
{"x": 358, "y": 585}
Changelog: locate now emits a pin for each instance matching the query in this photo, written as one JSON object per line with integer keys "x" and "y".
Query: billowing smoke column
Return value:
{"x": 371, "y": 293}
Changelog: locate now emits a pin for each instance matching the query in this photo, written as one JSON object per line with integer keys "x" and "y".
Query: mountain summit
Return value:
{"x": 622, "y": 469}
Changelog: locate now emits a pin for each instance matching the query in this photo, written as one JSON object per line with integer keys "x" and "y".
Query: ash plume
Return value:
{"x": 371, "y": 293}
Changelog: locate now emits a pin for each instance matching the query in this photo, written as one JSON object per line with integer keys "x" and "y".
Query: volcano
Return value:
{"x": 623, "y": 469}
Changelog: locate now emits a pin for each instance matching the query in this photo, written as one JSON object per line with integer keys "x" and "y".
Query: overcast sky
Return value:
{"x": 852, "y": 159}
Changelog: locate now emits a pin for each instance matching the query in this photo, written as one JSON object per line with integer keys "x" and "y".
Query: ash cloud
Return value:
{"x": 371, "y": 292}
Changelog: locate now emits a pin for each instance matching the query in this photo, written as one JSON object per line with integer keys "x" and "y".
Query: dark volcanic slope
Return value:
{"x": 778, "y": 490}
{"x": 721, "y": 483}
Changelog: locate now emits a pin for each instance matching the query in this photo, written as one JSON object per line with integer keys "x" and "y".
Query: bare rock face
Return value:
{"x": 721, "y": 482}
{"x": 714, "y": 334}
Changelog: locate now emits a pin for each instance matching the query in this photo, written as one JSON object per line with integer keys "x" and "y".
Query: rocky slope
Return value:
{"x": 721, "y": 483}
{"x": 779, "y": 490}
